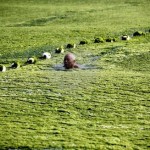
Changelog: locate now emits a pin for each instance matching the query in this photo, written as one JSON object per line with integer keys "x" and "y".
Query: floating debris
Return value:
{"x": 125, "y": 37}
{"x": 59, "y": 50}
{"x": 31, "y": 60}
{"x": 110, "y": 40}
{"x": 99, "y": 40}
{"x": 83, "y": 42}
{"x": 71, "y": 45}
{"x": 2, "y": 68}
{"x": 46, "y": 55}
{"x": 138, "y": 33}
{"x": 15, "y": 65}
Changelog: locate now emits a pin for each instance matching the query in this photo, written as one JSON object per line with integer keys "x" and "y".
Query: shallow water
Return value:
{"x": 60, "y": 67}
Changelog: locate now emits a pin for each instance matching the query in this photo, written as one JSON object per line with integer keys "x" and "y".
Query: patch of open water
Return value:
{"x": 60, "y": 67}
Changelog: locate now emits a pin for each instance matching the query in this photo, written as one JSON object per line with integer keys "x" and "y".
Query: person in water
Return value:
{"x": 70, "y": 62}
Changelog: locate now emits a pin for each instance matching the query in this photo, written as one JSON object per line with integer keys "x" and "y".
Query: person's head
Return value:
{"x": 69, "y": 61}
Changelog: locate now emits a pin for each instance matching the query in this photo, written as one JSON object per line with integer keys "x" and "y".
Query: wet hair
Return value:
{"x": 72, "y": 56}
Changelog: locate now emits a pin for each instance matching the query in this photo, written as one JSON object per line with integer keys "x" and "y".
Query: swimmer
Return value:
{"x": 70, "y": 62}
